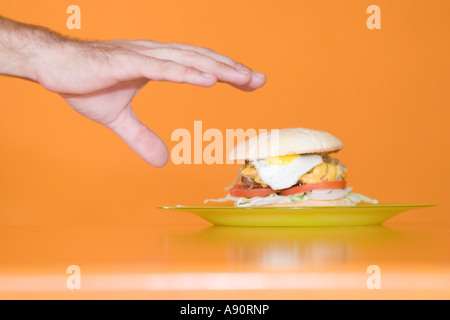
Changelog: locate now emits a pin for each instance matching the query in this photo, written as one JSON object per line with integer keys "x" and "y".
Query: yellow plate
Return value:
{"x": 359, "y": 215}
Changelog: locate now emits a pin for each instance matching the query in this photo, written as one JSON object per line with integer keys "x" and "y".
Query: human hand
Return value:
{"x": 99, "y": 79}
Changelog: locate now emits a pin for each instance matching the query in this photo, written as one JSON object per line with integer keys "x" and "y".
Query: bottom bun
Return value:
{"x": 314, "y": 203}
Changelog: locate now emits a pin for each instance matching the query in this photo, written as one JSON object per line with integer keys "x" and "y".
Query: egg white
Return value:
{"x": 284, "y": 176}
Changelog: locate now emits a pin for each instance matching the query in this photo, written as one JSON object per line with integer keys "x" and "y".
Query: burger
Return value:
{"x": 291, "y": 167}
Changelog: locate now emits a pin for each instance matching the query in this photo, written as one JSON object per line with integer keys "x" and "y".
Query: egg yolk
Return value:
{"x": 326, "y": 171}
{"x": 282, "y": 160}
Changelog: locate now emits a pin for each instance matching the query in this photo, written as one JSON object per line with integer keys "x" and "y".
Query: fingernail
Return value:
{"x": 259, "y": 74}
{"x": 244, "y": 72}
{"x": 207, "y": 75}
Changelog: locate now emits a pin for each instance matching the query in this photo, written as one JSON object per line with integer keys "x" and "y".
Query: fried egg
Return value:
{"x": 284, "y": 171}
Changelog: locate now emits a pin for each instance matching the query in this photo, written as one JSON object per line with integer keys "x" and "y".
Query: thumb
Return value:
{"x": 140, "y": 139}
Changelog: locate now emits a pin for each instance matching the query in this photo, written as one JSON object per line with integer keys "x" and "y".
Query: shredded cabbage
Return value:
{"x": 357, "y": 198}
{"x": 298, "y": 198}
{"x": 260, "y": 201}
{"x": 275, "y": 198}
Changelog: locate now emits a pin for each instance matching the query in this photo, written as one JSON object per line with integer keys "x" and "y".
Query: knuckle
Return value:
{"x": 187, "y": 72}
{"x": 224, "y": 65}
{"x": 165, "y": 65}
{"x": 176, "y": 72}
{"x": 205, "y": 50}
{"x": 189, "y": 53}
{"x": 172, "y": 45}
{"x": 239, "y": 66}
{"x": 219, "y": 65}
{"x": 159, "y": 69}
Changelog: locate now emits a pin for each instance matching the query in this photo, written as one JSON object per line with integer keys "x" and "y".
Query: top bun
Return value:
{"x": 282, "y": 142}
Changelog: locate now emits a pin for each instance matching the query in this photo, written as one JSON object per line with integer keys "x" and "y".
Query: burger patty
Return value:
{"x": 250, "y": 183}
{"x": 330, "y": 170}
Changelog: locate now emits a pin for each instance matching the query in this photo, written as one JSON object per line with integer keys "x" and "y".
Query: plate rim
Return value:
{"x": 371, "y": 206}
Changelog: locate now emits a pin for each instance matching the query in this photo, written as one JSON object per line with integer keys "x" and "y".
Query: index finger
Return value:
{"x": 257, "y": 79}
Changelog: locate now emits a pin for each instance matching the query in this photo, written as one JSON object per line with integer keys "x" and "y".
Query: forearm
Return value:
{"x": 21, "y": 46}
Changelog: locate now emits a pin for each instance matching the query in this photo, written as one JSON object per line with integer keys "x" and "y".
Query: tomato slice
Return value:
{"x": 309, "y": 187}
{"x": 239, "y": 191}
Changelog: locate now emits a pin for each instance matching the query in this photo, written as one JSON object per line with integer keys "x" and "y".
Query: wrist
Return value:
{"x": 22, "y": 47}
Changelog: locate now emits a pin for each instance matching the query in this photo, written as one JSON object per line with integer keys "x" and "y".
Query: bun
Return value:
{"x": 283, "y": 142}
{"x": 314, "y": 203}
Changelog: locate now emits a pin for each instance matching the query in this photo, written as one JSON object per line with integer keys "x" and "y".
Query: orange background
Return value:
{"x": 384, "y": 93}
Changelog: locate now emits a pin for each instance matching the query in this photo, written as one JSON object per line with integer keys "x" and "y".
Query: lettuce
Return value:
{"x": 275, "y": 198}
{"x": 297, "y": 198}
{"x": 357, "y": 198}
